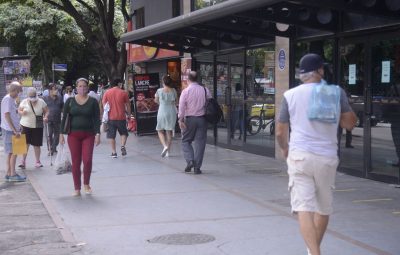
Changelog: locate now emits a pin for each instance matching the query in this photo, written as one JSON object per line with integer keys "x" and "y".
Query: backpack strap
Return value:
{"x": 205, "y": 96}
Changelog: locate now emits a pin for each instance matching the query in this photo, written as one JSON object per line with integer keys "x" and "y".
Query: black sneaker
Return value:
{"x": 123, "y": 151}
{"x": 189, "y": 166}
{"x": 114, "y": 155}
{"x": 197, "y": 171}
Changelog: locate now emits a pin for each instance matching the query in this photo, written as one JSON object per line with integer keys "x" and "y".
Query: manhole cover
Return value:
{"x": 182, "y": 239}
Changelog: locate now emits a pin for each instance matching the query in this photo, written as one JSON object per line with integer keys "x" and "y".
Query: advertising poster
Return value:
{"x": 186, "y": 65}
{"x": 145, "y": 87}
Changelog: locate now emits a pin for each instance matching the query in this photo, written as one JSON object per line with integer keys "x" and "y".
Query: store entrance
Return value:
{"x": 354, "y": 81}
{"x": 370, "y": 75}
{"x": 230, "y": 95}
{"x": 243, "y": 83}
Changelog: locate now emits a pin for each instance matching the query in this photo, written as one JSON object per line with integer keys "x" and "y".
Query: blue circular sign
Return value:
{"x": 282, "y": 59}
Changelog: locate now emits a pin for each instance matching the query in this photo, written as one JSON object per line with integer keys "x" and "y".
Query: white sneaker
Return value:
{"x": 308, "y": 252}
{"x": 164, "y": 152}
{"x": 167, "y": 154}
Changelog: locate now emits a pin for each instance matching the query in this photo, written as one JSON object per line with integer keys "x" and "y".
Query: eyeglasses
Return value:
{"x": 32, "y": 96}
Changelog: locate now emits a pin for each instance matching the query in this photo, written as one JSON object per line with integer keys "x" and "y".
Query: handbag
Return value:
{"x": 39, "y": 118}
{"x": 66, "y": 129}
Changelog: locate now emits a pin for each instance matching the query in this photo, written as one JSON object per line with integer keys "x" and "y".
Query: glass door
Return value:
{"x": 385, "y": 126}
{"x": 352, "y": 79}
{"x": 260, "y": 101}
{"x": 230, "y": 130}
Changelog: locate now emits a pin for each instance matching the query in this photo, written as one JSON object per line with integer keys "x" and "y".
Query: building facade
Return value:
{"x": 247, "y": 52}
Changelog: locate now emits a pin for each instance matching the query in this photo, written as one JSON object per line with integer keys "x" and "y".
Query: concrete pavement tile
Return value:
{"x": 186, "y": 206}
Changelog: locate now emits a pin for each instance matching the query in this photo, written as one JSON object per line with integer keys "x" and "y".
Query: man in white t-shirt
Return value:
{"x": 10, "y": 127}
{"x": 311, "y": 152}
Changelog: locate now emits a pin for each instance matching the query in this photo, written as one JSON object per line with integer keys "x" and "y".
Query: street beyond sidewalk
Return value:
{"x": 143, "y": 204}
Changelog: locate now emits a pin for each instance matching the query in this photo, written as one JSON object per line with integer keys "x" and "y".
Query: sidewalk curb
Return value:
{"x": 58, "y": 221}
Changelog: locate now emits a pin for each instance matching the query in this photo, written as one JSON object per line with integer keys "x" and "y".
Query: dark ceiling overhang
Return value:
{"x": 238, "y": 23}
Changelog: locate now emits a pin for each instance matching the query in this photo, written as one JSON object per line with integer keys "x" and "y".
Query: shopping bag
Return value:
{"x": 62, "y": 162}
{"x": 324, "y": 105}
{"x": 19, "y": 146}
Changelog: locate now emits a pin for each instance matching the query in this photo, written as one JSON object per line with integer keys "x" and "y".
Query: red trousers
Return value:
{"x": 81, "y": 145}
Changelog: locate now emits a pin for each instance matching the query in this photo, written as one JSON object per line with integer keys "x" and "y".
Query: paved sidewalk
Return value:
{"x": 26, "y": 227}
{"x": 145, "y": 205}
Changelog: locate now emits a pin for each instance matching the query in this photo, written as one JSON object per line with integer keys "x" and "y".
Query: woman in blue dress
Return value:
{"x": 166, "y": 97}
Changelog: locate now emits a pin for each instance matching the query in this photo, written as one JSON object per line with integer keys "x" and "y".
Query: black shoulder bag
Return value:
{"x": 213, "y": 112}
{"x": 66, "y": 129}
{"x": 39, "y": 119}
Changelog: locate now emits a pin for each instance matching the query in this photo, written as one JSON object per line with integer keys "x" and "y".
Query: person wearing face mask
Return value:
{"x": 84, "y": 133}
{"x": 55, "y": 105}
{"x": 29, "y": 109}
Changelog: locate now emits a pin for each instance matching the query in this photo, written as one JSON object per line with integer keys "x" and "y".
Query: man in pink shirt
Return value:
{"x": 192, "y": 123}
{"x": 120, "y": 108}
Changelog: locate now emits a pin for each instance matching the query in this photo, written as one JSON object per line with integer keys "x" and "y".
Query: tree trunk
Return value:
{"x": 46, "y": 73}
{"x": 104, "y": 41}
{"x": 114, "y": 61}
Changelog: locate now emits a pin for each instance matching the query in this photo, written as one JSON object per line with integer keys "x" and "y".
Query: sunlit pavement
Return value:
{"x": 145, "y": 204}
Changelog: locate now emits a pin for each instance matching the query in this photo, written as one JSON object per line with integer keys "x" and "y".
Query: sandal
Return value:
{"x": 88, "y": 190}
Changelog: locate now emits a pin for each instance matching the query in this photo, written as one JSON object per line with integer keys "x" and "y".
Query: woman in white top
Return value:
{"x": 29, "y": 109}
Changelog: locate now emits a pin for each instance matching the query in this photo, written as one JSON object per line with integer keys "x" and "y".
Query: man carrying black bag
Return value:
{"x": 193, "y": 123}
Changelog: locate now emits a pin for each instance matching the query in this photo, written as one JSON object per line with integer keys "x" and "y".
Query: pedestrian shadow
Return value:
{"x": 8, "y": 185}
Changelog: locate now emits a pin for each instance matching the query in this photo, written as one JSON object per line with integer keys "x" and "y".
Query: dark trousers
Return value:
{"x": 196, "y": 131}
{"x": 395, "y": 128}
{"x": 81, "y": 146}
{"x": 237, "y": 122}
{"x": 54, "y": 134}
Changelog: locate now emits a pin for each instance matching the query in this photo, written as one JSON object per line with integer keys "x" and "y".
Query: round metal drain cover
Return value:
{"x": 182, "y": 239}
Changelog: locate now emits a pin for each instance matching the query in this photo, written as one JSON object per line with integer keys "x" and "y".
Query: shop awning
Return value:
{"x": 240, "y": 23}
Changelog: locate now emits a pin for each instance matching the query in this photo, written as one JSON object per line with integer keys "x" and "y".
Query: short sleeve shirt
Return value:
{"x": 306, "y": 135}
{"x": 29, "y": 119}
{"x": 117, "y": 99}
{"x": 284, "y": 113}
{"x": 9, "y": 105}
{"x": 55, "y": 106}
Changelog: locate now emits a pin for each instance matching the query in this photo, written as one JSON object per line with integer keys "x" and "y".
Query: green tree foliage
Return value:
{"x": 37, "y": 30}
{"x": 199, "y": 4}
{"x": 100, "y": 22}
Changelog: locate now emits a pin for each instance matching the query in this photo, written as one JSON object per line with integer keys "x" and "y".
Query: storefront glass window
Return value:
{"x": 206, "y": 78}
{"x": 260, "y": 101}
{"x": 199, "y": 4}
{"x": 385, "y": 122}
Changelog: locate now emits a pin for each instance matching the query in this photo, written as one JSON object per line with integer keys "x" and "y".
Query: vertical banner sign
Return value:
{"x": 352, "y": 74}
{"x": 385, "y": 78}
{"x": 145, "y": 87}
